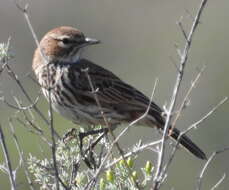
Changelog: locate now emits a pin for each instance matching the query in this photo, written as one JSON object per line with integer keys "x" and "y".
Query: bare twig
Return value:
{"x": 134, "y": 152}
{"x": 183, "y": 61}
{"x": 31, "y": 106}
{"x": 13, "y": 75}
{"x": 5, "y": 55}
{"x": 179, "y": 23}
{"x": 199, "y": 181}
{"x": 38, "y": 129}
{"x": 219, "y": 182}
{"x": 183, "y": 104}
{"x": 52, "y": 130}
{"x": 50, "y": 122}
{"x": 193, "y": 126}
{"x": 31, "y": 186}
{"x": 10, "y": 171}
{"x": 34, "y": 129}
{"x": 174, "y": 63}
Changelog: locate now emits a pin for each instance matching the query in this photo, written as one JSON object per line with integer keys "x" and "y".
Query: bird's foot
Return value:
{"x": 88, "y": 155}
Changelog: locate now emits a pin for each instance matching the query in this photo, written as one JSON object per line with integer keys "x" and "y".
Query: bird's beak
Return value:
{"x": 91, "y": 41}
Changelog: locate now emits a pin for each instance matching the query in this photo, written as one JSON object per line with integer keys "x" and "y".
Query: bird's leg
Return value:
{"x": 104, "y": 132}
{"x": 72, "y": 133}
{"x": 87, "y": 155}
{"x": 96, "y": 141}
{"x": 92, "y": 132}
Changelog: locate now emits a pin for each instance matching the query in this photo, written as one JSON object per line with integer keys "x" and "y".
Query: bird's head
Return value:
{"x": 64, "y": 44}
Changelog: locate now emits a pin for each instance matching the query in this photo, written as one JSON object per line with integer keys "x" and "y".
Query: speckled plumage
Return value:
{"x": 71, "y": 93}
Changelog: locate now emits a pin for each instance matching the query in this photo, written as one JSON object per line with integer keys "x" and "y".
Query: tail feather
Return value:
{"x": 157, "y": 120}
{"x": 188, "y": 144}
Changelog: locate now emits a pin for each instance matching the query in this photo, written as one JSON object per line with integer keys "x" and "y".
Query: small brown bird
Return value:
{"x": 60, "y": 69}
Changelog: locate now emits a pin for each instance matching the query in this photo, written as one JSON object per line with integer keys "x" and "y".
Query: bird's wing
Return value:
{"x": 111, "y": 90}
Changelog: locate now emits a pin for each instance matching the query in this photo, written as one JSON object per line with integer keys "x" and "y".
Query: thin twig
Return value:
{"x": 179, "y": 23}
{"x": 52, "y": 130}
{"x": 50, "y": 122}
{"x": 20, "y": 152}
{"x": 183, "y": 61}
{"x": 4, "y": 60}
{"x": 34, "y": 130}
{"x": 15, "y": 77}
{"x": 199, "y": 181}
{"x": 38, "y": 129}
{"x": 193, "y": 126}
{"x": 24, "y": 108}
{"x": 7, "y": 160}
{"x": 219, "y": 182}
{"x": 183, "y": 104}
{"x": 133, "y": 152}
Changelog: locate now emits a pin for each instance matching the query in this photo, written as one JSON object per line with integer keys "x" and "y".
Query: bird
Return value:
{"x": 59, "y": 67}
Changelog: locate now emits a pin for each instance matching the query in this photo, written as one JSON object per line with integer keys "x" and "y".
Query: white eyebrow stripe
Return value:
{"x": 53, "y": 35}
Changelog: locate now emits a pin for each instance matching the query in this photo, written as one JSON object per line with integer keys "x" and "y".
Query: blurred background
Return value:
{"x": 138, "y": 41}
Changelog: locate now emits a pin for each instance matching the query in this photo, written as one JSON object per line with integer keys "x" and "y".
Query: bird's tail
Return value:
{"x": 188, "y": 144}
{"x": 155, "y": 119}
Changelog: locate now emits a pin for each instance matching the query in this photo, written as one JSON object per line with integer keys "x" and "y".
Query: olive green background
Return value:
{"x": 138, "y": 39}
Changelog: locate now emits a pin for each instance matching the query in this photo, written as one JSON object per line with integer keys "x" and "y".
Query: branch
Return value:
{"x": 7, "y": 160}
{"x": 193, "y": 126}
{"x": 134, "y": 152}
{"x": 20, "y": 152}
{"x": 219, "y": 182}
{"x": 199, "y": 182}
{"x": 183, "y": 104}
{"x": 50, "y": 112}
{"x": 183, "y": 61}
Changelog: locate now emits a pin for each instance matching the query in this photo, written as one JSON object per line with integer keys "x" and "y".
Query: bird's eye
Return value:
{"x": 66, "y": 41}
